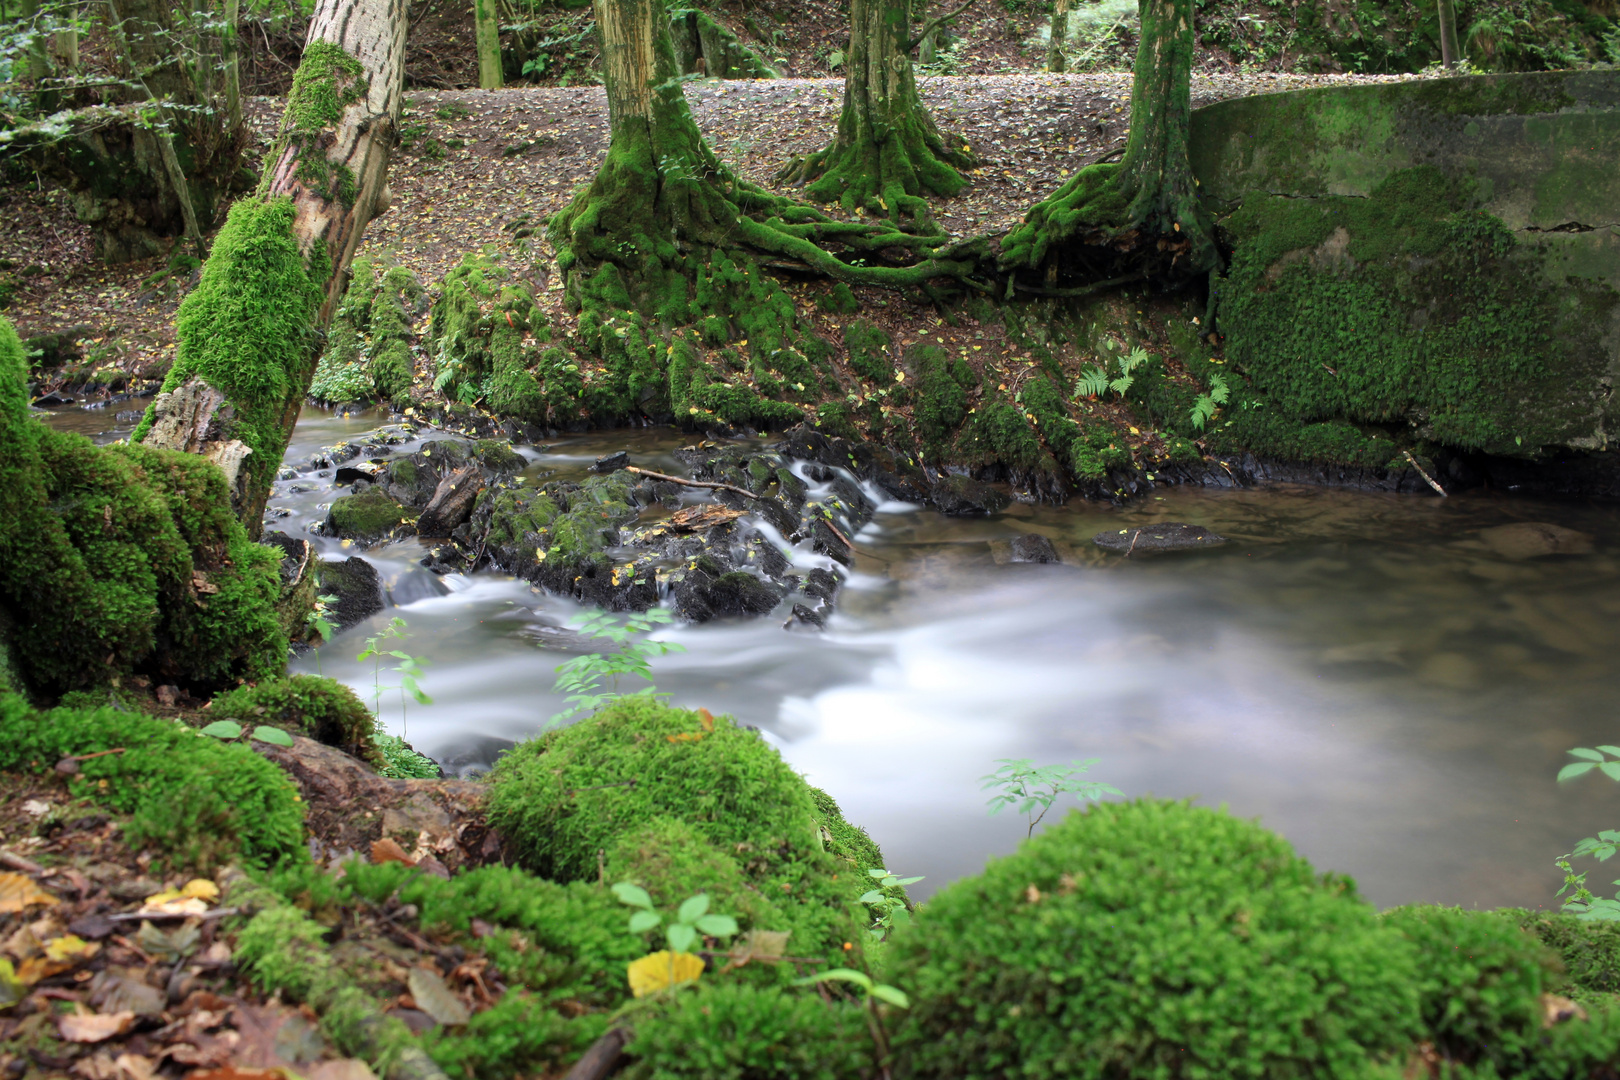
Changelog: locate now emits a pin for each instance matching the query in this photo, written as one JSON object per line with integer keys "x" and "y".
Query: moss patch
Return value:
{"x": 321, "y": 709}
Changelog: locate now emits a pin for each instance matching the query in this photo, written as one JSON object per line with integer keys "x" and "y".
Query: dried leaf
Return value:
{"x": 84, "y": 1026}
{"x": 126, "y": 990}
{"x": 18, "y": 892}
{"x": 12, "y": 989}
{"x": 70, "y": 947}
{"x": 763, "y": 945}
{"x": 661, "y": 970}
{"x": 386, "y": 850}
{"x": 136, "y": 1067}
{"x": 169, "y": 946}
{"x": 435, "y": 998}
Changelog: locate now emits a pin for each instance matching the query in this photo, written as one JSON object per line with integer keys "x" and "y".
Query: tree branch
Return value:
{"x": 930, "y": 27}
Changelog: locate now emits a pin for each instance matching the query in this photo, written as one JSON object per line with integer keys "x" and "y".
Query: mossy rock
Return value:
{"x": 367, "y": 516}
{"x": 1589, "y": 948}
{"x": 199, "y": 802}
{"x": 564, "y": 797}
{"x": 321, "y": 709}
{"x": 1149, "y": 939}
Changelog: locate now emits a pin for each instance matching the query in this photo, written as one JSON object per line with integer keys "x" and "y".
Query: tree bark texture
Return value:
{"x": 1144, "y": 211}
{"x": 1056, "y": 57}
{"x": 487, "y": 33}
{"x": 249, "y": 334}
{"x": 888, "y": 154}
{"x": 1448, "y": 33}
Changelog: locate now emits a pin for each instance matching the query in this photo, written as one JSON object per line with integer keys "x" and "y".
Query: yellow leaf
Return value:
{"x": 69, "y": 947}
{"x": 1135, "y": 432}
{"x": 661, "y": 970}
{"x": 163, "y": 897}
{"x": 201, "y": 888}
{"x": 899, "y": 376}
{"x": 18, "y": 891}
{"x": 12, "y": 989}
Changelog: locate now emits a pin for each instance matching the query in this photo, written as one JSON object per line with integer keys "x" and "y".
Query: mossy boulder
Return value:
{"x": 198, "y": 802}
{"x": 1146, "y": 939}
{"x": 368, "y": 515}
{"x": 639, "y": 771}
{"x": 321, "y": 709}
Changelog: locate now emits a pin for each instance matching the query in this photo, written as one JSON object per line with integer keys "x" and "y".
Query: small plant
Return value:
{"x": 874, "y": 992}
{"x": 1096, "y": 381}
{"x": 1203, "y": 409}
{"x": 582, "y": 678}
{"x": 320, "y": 623}
{"x": 889, "y": 908}
{"x": 409, "y": 668}
{"x": 1023, "y": 785}
{"x": 677, "y": 964}
{"x": 1583, "y": 903}
{"x": 231, "y": 731}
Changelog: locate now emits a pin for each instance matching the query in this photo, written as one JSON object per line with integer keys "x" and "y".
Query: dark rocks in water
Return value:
{"x": 704, "y": 595}
{"x": 416, "y": 584}
{"x": 295, "y": 554}
{"x": 612, "y": 462}
{"x": 1031, "y": 548}
{"x": 1165, "y": 536}
{"x": 825, "y": 540}
{"x": 452, "y": 502}
{"x": 804, "y": 618}
{"x": 960, "y": 496}
{"x": 357, "y": 586}
{"x": 1533, "y": 539}
{"x": 821, "y": 584}
{"x": 352, "y": 474}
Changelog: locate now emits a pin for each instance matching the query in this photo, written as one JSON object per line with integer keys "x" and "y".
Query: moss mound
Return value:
{"x": 1151, "y": 939}
{"x": 1589, "y": 948}
{"x": 124, "y": 559}
{"x": 201, "y": 802}
{"x": 321, "y": 709}
{"x": 638, "y": 777}
{"x": 366, "y": 516}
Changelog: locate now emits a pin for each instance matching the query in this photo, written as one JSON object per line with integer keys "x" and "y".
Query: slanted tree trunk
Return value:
{"x": 249, "y": 334}
{"x": 1056, "y": 59}
{"x": 487, "y": 31}
{"x": 1140, "y": 217}
{"x": 888, "y": 154}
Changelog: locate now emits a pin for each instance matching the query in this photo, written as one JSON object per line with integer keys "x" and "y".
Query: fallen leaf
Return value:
{"x": 661, "y": 970}
{"x": 765, "y": 945}
{"x": 435, "y": 998}
{"x": 126, "y": 990}
{"x": 202, "y": 889}
{"x": 70, "y": 947}
{"x": 18, "y": 892}
{"x": 341, "y": 1069}
{"x": 136, "y": 1067}
{"x": 84, "y": 1026}
{"x": 386, "y": 850}
{"x": 12, "y": 989}
{"x": 169, "y": 946}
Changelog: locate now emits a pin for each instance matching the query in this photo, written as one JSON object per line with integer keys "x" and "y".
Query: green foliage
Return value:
{"x": 200, "y": 802}
{"x": 1203, "y": 410}
{"x": 581, "y": 678}
{"x": 1479, "y": 983}
{"x": 399, "y": 761}
{"x": 1022, "y": 784}
{"x": 691, "y": 919}
{"x": 562, "y": 798}
{"x": 1099, "y": 378}
{"x": 322, "y": 709}
{"x": 1601, "y": 847}
{"x": 1145, "y": 939}
{"x": 726, "y": 1030}
{"x": 407, "y": 667}
{"x": 246, "y": 329}
{"x": 887, "y": 902}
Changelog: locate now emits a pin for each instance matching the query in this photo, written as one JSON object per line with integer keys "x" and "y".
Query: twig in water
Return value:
{"x": 1426, "y": 476}
{"x": 691, "y": 483}
{"x": 1128, "y": 551}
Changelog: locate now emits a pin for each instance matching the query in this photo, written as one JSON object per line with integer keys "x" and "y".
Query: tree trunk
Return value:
{"x": 888, "y": 153}
{"x": 249, "y": 334}
{"x": 487, "y": 31}
{"x": 1056, "y": 58}
{"x": 1141, "y": 216}
{"x": 1448, "y": 33}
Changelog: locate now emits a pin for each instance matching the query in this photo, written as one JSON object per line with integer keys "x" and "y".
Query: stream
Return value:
{"x": 1364, "y": 673}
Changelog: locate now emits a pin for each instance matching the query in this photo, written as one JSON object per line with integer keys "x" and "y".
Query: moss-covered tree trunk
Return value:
{"x": 1140, "y": 217}
{"x": 1056, "y": 58}
{"x": 249, "y": 334}
{"x": 888, "y": 154}
{"x": 487, "y": 32}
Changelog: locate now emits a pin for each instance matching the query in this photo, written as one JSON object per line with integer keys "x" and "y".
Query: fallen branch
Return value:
{"x": 159, "y": 916}
{"x": 17, "y": 862}
{"x": 1408, "y": 455}
{"x": 691, "y": 483}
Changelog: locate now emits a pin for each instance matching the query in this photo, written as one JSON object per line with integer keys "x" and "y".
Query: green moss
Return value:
{"x": 998, "y": 432}
{"x": 942, "y": 386}
{"x": 845, "y": 842}
{"x": 868, "y": 351}
{"x": 245, "y": 329}
{"x": 1589, "y": 949}
{"x": 322, "y": 709}
{"x": 368, "y": 515}
{"x": 839, "y": 300}
{"x": 562, "y": 798}
{"x": 1145, "y": 939}
{"x": 200, "y": 802}
{"x": 328, "y": 80}
{"x": 520, "y": 1035}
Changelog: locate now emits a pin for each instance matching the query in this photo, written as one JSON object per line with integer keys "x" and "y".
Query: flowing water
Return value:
{"x": 1361, "y": 672}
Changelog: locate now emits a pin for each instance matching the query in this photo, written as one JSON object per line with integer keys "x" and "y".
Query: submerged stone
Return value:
{"x": 959, "y": 496}
{"x": 1532, "y": 539}
{"x": 1166, "y": 536}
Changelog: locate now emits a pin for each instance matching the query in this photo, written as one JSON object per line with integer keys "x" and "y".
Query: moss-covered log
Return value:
{"x": 249, "y": 333}
{"x": 1140, "y": 217}
{"x": 888, "y": 154}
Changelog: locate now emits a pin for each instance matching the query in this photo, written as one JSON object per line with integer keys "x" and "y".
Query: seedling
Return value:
{"x": 230, "y": 731}
{"x": 888, "y": 908}
{"x": 581, "y": 678}
{"x": 1023, "y": 785}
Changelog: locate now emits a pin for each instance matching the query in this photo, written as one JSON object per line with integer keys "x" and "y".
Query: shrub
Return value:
{"x": 730, "y": 1031}
{"x": 1150, "y": 939}
{"x": 322, "y": 709}
{"x": 201, "y": 801}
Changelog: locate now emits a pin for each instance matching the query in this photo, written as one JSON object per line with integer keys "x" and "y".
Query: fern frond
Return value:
{"x": 1092, "y": 383}
{"x": 1121, "y": 384}
{"x": 1218, "y": 390}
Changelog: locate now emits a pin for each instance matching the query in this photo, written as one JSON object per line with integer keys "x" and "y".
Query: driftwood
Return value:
{"x": 691, "y": 483}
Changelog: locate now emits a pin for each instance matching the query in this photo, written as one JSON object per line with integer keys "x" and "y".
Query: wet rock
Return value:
{"x": 804, "y": 618}
{"x": 612, "y": 462}
{"x": 354, "y": 474}
{"x": 1166, "y": 536}
{"x": 709, "y": 590}
{"x": 367, "y": 516}
{"x": 1534, "y": 539}
{"x": 821, "y": 584}
{"x": 452, "y": 502}
{"x": 960, "y": 496}
{"x": 826, "y": 540}
{"x": 416, "y": 584}
{"x": 1029, "y": 548}
{"x": 295, "y": 554}
{"x": 357, "y": 586}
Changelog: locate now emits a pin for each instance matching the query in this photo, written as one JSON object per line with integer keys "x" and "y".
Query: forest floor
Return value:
{"x": 476, "y": 163}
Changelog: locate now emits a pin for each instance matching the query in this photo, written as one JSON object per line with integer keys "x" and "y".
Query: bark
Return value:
{"x": 249, "y": 333}
{"x": 1448, "y": 33}
{"x": 487, "y": 32}
{"x": 1141, "y": 216}
{"x": 1056, "y": 59}
{"x": 888, "y": 154}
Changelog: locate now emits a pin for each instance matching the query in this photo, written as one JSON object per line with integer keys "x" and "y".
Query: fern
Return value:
{"x": 1121, "y": 384}
{"x": 1203, "y": 409}
{"x": 1132, "y": 362}
{"x": 1092, "y": 383}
